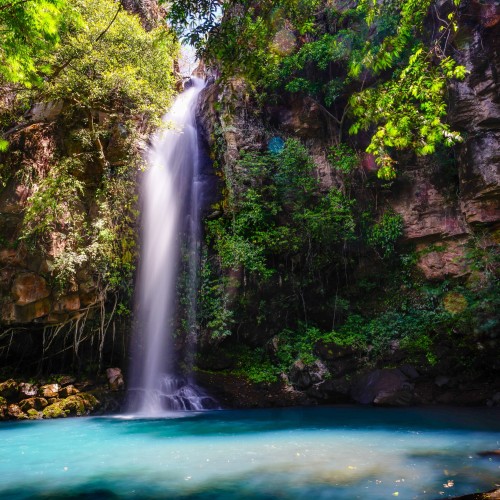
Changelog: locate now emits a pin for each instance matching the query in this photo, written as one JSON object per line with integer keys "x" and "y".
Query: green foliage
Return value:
{"x": 282, "y": 213}
{"x": 108, "y": 62}
{"x": 214, "y": 312}
{"x": 117, "y": 78}
{"x": 384, "y": 234}
{"x": 408, "y": 110}
{"x": 29, "y": 32}
{"x": 55, "y": 205}
{"x": 255, "y": 365}
{"x": 369, "y": 62}
{"x": 246, "y": 41}
{"x": 343, "y": 158}
{"x": 300, "y": 344}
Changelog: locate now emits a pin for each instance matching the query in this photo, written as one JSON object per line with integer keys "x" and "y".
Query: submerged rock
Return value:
{"x": 490, "y": 453}
{"x": 488, "y": 495}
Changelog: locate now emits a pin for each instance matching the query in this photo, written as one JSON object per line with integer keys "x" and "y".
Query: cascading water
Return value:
{"x": 171, "y": 193}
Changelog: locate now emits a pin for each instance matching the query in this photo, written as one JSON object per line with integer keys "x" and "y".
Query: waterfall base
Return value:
{"x": 174, "y": 393}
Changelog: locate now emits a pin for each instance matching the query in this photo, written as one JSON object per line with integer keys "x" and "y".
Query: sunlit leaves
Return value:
{"x": 408, "y": 110}
{"x": 29, "y": 31}
{"x": 110, "y": 63}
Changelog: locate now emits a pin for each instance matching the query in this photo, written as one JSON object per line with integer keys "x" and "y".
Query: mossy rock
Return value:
{"x": 9, "y": 389}
{"x": 33, "y": 403}
{"x": 15, "y": 412}
{"x": 455, "y": 302}
{"x": 33, "y": 414}
{"x": 4, "y": 411}
{"x": 68, "y": 391}
{"x": 89, "y": 400}
{"x": 55, "y": 410}
{"x": 74, "y": 405}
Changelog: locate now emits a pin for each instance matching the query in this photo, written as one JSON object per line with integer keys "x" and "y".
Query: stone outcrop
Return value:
{"x": 387, "y": 387}
{"x": 115, "y": 379}
{"x": 21, "y": 401}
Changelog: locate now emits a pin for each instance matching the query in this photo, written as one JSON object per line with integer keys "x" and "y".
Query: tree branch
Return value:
{"x": 24, "y": 125}
{"x": 120, "y": 7}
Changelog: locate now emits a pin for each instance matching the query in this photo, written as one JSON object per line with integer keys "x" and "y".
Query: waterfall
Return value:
{"x": 171, "y": 191}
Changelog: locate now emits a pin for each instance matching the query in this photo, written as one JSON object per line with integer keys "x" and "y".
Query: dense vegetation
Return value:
{"x": 282, "y": 271}
{"x": 104, "y": 82}
{"x": 372, "y": 61}
{"x": 282, "y": 266}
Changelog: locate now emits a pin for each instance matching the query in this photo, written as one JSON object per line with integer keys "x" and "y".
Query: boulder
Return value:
{"x": 331, "y": 391}
{"x": 442, "y": 380}
{"x": 49, "y": 391}
{"x": 89, "y": 400}
{"x": 64, "y": 380}
{"x": 4, "y": 410}
{"x": 9, "y": 389}
{"x": 402, "y": 397}
{"x": 34, "y": 415}
{"x": 55, "y": 410}
{"x": 73, "y": 405}
{"x": 386, "y": 387}
{"x": 115, "y": 379}
{"x": 28, "y": 288}
{"x": 15, "y": 412}
{"x": 33, "y": 404}
{"x": 67, "y": 391}
{"x": 302, "y": 376}
{"x": 27, "y": 390}
{"x": 410, "y": 371}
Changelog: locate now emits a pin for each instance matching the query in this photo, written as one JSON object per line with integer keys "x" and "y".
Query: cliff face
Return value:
{"x": 69, "y": 201}
{"x": 391, "y": 314}
{"x": 449, "y": 205}
{"x": 49, "y": 287}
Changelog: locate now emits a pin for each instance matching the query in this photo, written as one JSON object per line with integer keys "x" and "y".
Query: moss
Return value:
{"x": 55, "y": 410}
{"x": 33, "y": 414}
{"x": 454, "y": 302}
{"x": 89, "y": 400}
{"x": 74, "y": 405}
{"x": 8, "y": 389}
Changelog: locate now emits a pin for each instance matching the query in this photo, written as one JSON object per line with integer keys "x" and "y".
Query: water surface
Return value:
{"x": 319, "y": 453}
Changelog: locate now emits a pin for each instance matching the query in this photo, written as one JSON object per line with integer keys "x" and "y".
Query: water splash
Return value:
{"x": 171, "y": 194}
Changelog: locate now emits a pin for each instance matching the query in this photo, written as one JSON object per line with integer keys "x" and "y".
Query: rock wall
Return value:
{"x": 450, "y": 207}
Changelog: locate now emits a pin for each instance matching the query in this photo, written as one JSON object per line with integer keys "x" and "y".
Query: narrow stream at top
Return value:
{"x": 171, "y": 192}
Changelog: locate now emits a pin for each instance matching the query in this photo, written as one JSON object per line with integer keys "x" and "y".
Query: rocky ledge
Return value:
{"x": 63, "y": 397}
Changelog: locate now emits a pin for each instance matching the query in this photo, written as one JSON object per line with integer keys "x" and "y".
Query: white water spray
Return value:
{"x": 170, "y": 200}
